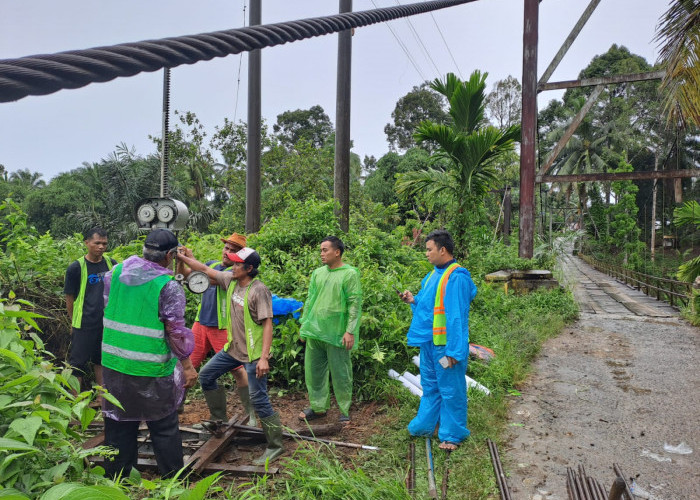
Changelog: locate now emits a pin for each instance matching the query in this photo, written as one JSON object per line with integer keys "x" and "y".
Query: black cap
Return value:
{"x": 161, "y": 239}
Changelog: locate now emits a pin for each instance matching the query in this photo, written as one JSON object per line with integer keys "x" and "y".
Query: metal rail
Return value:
{"x": 48, "y": 73}
{"x": 672, "y": 291}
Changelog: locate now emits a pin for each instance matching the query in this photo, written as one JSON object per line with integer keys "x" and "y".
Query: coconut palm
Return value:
{"x": 679, "y": 35}
{"x": 461, "y": 170}
{"x": 689, "y": 213}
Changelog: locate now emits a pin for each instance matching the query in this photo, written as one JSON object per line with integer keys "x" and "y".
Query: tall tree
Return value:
{"x": 312, "y": 125}
{"x": 679, "y": 35}
{"x": 420, "y": 104}
{"x": 466, "y": 147}
{"x": 504, "y": 102}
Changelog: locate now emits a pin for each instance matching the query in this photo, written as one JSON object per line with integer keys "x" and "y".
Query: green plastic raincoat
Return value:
{"x": 333, "y": 306}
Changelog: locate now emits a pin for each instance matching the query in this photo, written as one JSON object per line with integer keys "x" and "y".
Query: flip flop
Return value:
{"x": 309, "y": 415}
{"x": 456, "y": 445}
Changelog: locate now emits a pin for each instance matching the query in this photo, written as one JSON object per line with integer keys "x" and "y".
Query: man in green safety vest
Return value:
{"x": 440, "y": 328}
{"x": 83, "y": 290}
{"x": 209, "y": 328}
{"x": 249, "y": 340}
{"x": 145, "y": 355}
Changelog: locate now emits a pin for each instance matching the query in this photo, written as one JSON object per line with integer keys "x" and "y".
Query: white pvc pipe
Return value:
{"x": 412, "y": 379}
{"x": 408, "y": 385}
{"x": 470, "y": 381}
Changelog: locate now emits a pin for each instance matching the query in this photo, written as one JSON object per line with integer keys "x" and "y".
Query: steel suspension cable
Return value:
{"x": 49, "y": 73}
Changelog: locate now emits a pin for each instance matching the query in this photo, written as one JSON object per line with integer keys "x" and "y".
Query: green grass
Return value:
{"x": 515, "y": 327}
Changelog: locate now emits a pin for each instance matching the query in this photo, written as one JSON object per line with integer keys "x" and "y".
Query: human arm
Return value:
{"x": 263, "y": 366}
{"x": 186, "y": 259}
{"x": 171, "y": 307}
{"x": 71, "y": 287}
{"x": 353, "y": 297}
{"x": 189, "y": 372}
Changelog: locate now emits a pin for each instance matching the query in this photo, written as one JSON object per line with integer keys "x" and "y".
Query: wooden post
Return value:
{"x": 529, "y": 129}
{"x": 341, "y": 178}
{"x": 253, "y": 187}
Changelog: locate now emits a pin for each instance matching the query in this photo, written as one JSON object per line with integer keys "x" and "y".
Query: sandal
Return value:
{"x": 449, "y": 446}
{"x": 344, "y": 419}
{"x": 309, "y": 415}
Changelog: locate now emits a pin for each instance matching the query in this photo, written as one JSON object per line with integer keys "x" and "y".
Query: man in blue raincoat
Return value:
{"x": 440, "y": 327}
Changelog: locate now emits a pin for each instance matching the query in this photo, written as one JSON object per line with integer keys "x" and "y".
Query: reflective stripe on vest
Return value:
{"x": 439, "y": 318}
{"x": 80, "y": 299}
{"x": 134, "y": 337}
{"x": 253, "y": 331}
{"x": 221, "y": 303}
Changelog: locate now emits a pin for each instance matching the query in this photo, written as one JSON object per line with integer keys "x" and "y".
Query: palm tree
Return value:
{"x": 679, "y": 34}
{"x": 462, "y": 170}
{"x": 27, "y": 179}
{"x": 689, "y": 214}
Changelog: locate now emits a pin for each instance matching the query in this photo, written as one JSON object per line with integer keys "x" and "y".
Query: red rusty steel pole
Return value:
{"x": 529, "y": 129}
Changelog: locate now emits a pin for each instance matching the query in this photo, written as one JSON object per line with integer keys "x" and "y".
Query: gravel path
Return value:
{"x": 615, "y": 387}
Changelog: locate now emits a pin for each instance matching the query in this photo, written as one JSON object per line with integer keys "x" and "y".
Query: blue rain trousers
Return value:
{"x": 444, "y": 398}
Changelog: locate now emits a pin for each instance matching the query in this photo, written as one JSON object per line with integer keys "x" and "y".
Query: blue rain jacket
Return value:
{"x": 459, "y": 293}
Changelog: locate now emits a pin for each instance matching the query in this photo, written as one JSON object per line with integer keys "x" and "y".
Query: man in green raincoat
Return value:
{"x": 330, "y": 327}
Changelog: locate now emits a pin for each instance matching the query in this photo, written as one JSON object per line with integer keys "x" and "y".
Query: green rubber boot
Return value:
{"x": 272, "y": 428}
{"x": 244, "y": 394}
{"x": 216, "y": 401}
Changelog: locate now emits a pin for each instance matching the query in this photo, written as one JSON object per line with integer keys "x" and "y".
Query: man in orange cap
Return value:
{"x": 209, "y": 327}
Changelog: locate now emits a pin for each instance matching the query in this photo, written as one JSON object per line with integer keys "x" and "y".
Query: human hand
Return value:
{"x": 407, "y": 297}
{"x": 451, "y": 361}
{"x": 262, "y": 368}
{"x": 348, "y": 340}
{"x": 190, "y": 376}
{"x": 185, "y": 252}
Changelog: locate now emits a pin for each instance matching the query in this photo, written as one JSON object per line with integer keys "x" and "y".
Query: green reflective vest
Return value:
{"x": 439, "y": 318}
{"x": 134, "y": 337}
{"x": 80, "y": 299}
{"x": 253, "y": 331}
{"x": 221, "y": 304}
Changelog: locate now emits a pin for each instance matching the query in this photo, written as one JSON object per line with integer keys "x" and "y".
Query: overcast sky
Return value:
{"x": 58, "y": 132}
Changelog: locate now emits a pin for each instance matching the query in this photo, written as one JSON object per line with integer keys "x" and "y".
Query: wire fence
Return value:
{"x": 674, "y": 292}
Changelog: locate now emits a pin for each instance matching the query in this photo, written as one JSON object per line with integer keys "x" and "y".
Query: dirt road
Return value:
{"x": 615, "y": 387}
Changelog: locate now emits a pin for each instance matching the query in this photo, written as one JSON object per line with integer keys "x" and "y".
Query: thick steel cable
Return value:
{"x": 49, "y": 73}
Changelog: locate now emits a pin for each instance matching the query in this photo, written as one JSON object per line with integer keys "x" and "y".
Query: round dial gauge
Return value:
{"x": 197, "y": 282}
{"x": 146, "y": 213}
{"x": 166, "y": 213}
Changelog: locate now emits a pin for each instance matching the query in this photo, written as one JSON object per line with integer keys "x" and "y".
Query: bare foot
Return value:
{"x": 446, "y": 445}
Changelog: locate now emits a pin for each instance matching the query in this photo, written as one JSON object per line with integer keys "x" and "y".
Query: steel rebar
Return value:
{"x": 498, "y": 471}
{"x": 446, "y": 475}
{"x": 411, "y": 477}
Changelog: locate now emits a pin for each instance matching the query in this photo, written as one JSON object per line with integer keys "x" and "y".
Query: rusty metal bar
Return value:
{"x": 445, "y": 476}
{"x": 569, "y": 40}
{"x": 570, "y": 130}
{"x": 622, "y": 176}
{"x": 411, "y": 477}
{"x": 619, "y": 472}
{"x": 432, "y": 490}
{"x": 498, "y": 471}
{"x": 529, "y": 129}
{"x": 258, "y": 432}
{"x": 603, "y": 80}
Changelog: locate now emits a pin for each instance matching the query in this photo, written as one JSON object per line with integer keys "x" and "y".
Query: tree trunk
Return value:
{"x": 652, "y": 244}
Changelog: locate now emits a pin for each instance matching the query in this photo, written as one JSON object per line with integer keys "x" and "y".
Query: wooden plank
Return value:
{"x": 608, "y": 80}
{"x": 622, "y": 176}
{"x": 94, "y": 441}
{"x": 214, "y": 446}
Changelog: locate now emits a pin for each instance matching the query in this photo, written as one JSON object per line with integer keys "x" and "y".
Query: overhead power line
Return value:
{"x": 404, "y": 48}
{"x": 420, "y": 41}
{"x": 446, "y": 45}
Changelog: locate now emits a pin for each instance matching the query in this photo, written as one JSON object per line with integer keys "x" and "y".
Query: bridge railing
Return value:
{"x": 672, "y": 291}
